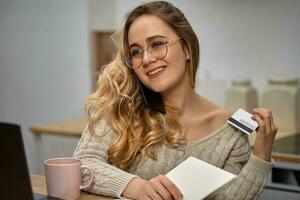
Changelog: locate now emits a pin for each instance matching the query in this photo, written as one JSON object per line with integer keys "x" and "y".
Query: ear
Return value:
{"x": 186, "y": 52}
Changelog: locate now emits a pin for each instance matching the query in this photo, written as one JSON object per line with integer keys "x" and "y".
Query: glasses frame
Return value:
{"x": 167, "y": 44}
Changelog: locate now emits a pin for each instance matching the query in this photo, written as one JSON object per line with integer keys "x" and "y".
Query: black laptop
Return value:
{"x": 15, "y": 181}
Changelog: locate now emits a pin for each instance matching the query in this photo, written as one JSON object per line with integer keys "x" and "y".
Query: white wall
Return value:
{"x": 44, "y": 69}
{"x": 240, "y": 38}
{"x": 102, "y": 14}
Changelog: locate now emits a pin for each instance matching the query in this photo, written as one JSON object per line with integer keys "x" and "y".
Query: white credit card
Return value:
{"x": 241, "y": 119}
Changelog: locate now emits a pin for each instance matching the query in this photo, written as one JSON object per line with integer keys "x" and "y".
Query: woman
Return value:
{"x": 146, "y": 118}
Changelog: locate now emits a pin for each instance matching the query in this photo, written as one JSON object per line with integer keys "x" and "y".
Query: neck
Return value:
{"x": 184, "y": 98}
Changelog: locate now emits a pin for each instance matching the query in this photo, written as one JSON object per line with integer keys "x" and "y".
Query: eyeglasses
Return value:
{"x": 157, "y": 47}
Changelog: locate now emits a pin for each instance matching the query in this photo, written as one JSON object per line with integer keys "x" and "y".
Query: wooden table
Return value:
{"x": 75, "y": 127}
{"x": 39, "y": 186}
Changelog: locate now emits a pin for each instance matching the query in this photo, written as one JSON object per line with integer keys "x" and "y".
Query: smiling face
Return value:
{"x": 158, "y": 74}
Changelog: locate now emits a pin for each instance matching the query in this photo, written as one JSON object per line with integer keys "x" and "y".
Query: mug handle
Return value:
{"x": 91, "y": 177}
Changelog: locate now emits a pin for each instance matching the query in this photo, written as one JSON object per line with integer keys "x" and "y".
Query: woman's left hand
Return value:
{"x": 265, "y": 133}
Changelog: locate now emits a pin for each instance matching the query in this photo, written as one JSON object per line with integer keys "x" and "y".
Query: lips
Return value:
{"x": 155, "y": 71}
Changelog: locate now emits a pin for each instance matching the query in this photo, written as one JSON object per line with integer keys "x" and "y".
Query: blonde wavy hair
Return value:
{"x": 118, "y": 101}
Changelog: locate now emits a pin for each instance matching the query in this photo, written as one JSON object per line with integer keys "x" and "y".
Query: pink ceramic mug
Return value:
{"x": 63, "y": 177}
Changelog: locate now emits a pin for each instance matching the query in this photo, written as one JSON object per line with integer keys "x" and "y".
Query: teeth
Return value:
{"x": 155, "y": 71}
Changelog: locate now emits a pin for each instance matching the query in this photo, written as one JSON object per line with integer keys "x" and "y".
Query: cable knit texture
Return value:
{"x": 226, "y": 148}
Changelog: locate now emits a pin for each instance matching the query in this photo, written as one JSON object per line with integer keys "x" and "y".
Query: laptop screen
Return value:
{"x": 15, "y": 180}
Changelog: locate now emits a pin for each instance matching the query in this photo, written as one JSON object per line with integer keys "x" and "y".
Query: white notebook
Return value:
{"x": 197, "y": 179}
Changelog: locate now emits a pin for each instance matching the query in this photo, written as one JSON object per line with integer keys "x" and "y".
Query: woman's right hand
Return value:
{"x": 158, "y": 188}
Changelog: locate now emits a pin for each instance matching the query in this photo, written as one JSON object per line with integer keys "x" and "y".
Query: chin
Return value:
{"x": 154, "y": 89}
{"x": 159, "y": 88}
{"x": 159, "y": 85}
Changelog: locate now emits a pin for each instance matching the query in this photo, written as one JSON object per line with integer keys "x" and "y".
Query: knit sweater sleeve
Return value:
{"x": 91, "y": 150}
{"x": 252, "y": 173}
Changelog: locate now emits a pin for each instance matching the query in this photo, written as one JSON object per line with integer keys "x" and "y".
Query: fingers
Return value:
{"x": 166, "y": 188}
{"x": 158, "y": 188}
{"x": 273, "y": 127}
{"x": 152, "y": 192}
{"x": 261, "y": 123}
{"x": 139, "y": 189}
{"x": 162, "y": 191}
{"x": 265, "y": 120}
{"x": 266, "y": 132}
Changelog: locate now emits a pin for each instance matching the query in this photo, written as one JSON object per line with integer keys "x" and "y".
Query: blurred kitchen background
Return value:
{"x": 50, "y": 51}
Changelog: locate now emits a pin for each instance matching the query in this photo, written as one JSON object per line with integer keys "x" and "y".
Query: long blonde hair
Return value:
{"x": 118, "y": 101}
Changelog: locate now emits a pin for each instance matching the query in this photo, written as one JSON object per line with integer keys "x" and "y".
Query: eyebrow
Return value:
{"x": 149, "y": 38}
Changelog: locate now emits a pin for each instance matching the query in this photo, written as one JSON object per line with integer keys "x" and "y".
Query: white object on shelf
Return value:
{"x": 241, "y": 95}
{"x": 282, "y": 96}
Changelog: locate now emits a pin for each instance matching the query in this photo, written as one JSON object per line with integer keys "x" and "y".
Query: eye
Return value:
{"x": 134, "y": 52}
{"x": 157, "y": 44}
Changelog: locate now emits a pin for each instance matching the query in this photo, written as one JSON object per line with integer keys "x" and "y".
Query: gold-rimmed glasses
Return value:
{"x": 157, "y": 47}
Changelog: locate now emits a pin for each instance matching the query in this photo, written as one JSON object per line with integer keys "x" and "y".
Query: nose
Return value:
{"x": 148, "y": 58}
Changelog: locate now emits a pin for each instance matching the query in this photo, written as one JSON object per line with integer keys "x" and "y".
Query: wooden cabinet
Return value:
{"x": 103, "y": 51}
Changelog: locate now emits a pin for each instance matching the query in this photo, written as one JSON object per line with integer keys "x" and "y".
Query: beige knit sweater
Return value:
{"x": 226, "y": 148}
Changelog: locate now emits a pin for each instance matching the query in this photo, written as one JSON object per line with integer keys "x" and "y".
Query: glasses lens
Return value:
{"x": 135, "y": 56}
{"x": 158, "y": 48}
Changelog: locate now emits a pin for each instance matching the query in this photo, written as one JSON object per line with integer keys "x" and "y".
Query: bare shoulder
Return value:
{"x": 218, "y": 115}
{"x": 221, "y": 115}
